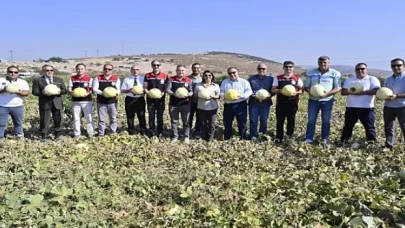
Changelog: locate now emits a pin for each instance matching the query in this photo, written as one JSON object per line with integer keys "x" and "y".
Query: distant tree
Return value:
{"x": 55, "y": 59}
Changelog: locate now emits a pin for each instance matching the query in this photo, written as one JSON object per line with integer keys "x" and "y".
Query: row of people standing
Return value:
{"x": 206, "y": 109}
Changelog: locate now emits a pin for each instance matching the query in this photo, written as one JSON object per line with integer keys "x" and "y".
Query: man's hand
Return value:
{"x": 393, "y": 97}
{"x": 70, "y": 90}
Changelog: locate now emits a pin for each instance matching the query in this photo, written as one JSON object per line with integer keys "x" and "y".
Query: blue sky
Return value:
{"x": 347, "y": 31}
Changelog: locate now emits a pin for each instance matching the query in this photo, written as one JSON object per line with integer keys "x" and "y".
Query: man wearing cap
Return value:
{"x": 134, "y": 103}
{"x": 259, "y": 109}
{"x": 12, "y": 103}
{"x": 330, "y": 80}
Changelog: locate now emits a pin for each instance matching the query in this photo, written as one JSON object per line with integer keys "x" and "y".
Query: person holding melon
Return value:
{"x": 79, "y": 87}
{"x": 207, "y": 93}
{"x": 12, "y": 93}
{"x": 155, "y": 86}
{"x": 360, "y": 91}
{"x": 288, "y": 87}
{"x": 180, "y": 89}
{"x": 260, "y": 101}
{"x": 321, "y": 84}
{"x": 394, "y": 105}
{"x": 235, "y": 91}
{"x": 107, "y": 88}
{"x": 132, "y": 86}
{"x": 49, "y": 90}
{"x": 196, "y": 78}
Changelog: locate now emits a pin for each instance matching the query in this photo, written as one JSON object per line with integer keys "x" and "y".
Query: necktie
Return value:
{"x": 136, "y": 81}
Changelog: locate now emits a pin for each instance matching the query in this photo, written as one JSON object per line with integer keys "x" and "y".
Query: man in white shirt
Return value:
{"x": 238, "y": 107}
{"x": 360, "y": 106}
{"x": 12, "y": 103}
{"x": 134, "y": 103}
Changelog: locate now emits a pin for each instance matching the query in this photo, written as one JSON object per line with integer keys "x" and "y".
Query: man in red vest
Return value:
{"x": 106, "y": 105}
{"x": 82, "y": 104}
{"x": 156, "y": 107}
{"x": 286, "y": 107}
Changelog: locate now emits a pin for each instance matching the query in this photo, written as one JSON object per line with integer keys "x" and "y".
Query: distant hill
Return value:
{"x": 346, "y": 69}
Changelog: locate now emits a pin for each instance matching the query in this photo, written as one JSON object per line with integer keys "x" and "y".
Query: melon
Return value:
{"x": 317, "y": 90}
{"x": 288, "y": 91}
{"x": 231, "y": 95}
{"x": 181, "y": 92}
{"x": 110, "y": 92}
{"x": 51, "y": 90}
{"x": 12, "y": 87}
{"x": 262, "y": 94}
{"x": 384, "y": 93}
{"x": 204, "y": 93}
{"x": 155, "y": 93}
{"x": 137, "y": 90}
{"x": 79, "y": 92}
{"x": 356, "y": 88}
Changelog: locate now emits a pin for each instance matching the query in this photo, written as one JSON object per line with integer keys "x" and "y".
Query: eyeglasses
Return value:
{"x": 155, "y": 65}
{"x": 108, "y": 69}
{"x": 233, "y": 72}
{"x": 48, "y": 70}
{"x": 12, "y": 72}
{"x": 289, "y": 66}
{"x": 397, "y": 65}
{"x": 136, "y": 69}
{"x": 360, "y": 69}
{"x": 261, "y": 68}
{"x": 208, "y": 75}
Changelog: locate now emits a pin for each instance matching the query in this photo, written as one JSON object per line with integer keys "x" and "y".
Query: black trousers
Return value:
{"x": 390, "y": 114}
{"x": 135, "y": 105}
{"x": 366, "y": 117}
{"x": 45, "y": 121}
{"x": 285, "y": 110}
{"x": 207, "y": 121}
{"x": 156, "y": 108}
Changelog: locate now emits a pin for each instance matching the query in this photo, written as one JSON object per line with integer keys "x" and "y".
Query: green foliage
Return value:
{"x": 133, "y": 181}
{"x": 55, "y": 59}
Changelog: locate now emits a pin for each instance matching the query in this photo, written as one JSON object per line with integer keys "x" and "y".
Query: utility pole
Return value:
{"x": 122, "y": 50}
{"x": 11, "y": 55}
{"x": 97, "y": 53}
{"x": 85, "y": 54}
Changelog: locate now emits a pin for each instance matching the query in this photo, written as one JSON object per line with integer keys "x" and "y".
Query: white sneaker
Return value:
{"x": 309, "y": 141}
{"x": 174, "y": 140}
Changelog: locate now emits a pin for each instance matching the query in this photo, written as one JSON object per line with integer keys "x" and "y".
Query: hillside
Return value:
{"x": 216, "y": 61}
{"x": 346, "y": 69}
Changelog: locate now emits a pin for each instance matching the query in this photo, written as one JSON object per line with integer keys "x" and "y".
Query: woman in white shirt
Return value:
{"x": 207, "y": 107}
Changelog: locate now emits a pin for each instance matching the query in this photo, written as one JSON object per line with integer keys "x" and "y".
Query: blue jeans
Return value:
{"x": 17, "y": 115}
{"x": 257, "y": 111}
{"x": 313, "y": 110}
{"x": 238, "y": 110}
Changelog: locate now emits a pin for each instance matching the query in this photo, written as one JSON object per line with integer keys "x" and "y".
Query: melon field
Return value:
{"x": 133, "y": 181}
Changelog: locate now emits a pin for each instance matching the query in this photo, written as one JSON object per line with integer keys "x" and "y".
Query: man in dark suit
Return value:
{"x": 49, "y": 104}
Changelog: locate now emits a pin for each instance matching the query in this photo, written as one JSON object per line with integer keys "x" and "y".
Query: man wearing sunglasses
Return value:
{"x": 330, "y": 80}
{"x": 12, "y": 103}
{"x": 259, "y": 109}
{"x": 106, "y": 105}
{"x": 237, "y": 107}
{"x": 360, "y": 106}
{"x": 49, "y": 104}
{"x": 156, "y": 107}
{"x": 394, "y": 107}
